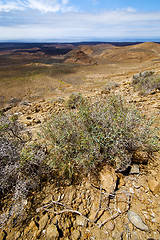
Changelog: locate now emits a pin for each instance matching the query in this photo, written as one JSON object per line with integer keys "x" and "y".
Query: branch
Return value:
{"x": 68, "y": 209}
{"x": 110, "y": 218}
{"x": 99, "y": 207}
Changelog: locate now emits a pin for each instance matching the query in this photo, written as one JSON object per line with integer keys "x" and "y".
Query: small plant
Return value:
{"x": 146, "y": 82}
{"x": 22, "y": 168}
{"x": 111, "y": 85}
{"x": 74, "y": 100}
{"x": 108, "y": 132}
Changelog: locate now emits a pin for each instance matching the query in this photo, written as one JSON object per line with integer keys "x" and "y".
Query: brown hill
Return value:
{"x": 140, "y": 52}
{"x": 79, "y": 56}
{"x": 96, "y": 50}
{"x": 147, "y": 45}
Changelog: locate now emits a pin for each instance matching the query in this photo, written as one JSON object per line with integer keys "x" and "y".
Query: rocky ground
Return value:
{"x": 109, "y": 206}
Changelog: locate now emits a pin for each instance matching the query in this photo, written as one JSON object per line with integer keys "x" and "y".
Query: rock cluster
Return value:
{"x": 102, "y": 208}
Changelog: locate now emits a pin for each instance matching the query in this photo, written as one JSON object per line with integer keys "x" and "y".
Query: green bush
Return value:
{"x": 95, "y": 134}
{"x": 111, "y": 85}
{"x": 146, "y": 82}
{"x": 74, "y": 100}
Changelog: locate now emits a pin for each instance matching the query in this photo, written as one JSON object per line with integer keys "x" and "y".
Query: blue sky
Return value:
{"x": 78, "y": 20}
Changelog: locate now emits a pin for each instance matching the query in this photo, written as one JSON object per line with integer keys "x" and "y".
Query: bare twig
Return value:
{"x": 110, "y": 218}
{"x": 99, "y": 207}
{"x": 50, "y": 204}
{"x": 71, "y": 211}
{"x": 68, "y": 209}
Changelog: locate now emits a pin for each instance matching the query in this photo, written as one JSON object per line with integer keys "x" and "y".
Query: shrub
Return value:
{"x": 95, "y": 134}
{"x": 73, "y": 144}
{"x": 74, "y": 100}
{"x": 111, "y": 85}
{"x": 146, "y": 82}
{"x": 22, "y": 169}
{"x": 11, "y": 143}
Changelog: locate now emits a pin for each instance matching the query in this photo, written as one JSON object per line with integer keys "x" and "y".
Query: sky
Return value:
{"x": 79, "y": 20}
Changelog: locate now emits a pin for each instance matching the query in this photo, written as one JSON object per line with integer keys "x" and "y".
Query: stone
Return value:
{"x": 140, "y": 157}
{"x": 66, "y": 232}
{"x": 110, "y": 226}
{"x": 43, "y": 222}
{"x": 122, "y": 201}
{"x": 137, "y": 221}
{"x": 94, "y": 208}
{"x": 103, "y": 217}
{"x": 116, "y": 235}
{"x": 134, "y": 169}
{"x": 76, "y": 235}
{"x": 141, "y": 182}
{"x": 17, "y": 235}
{"x": 85, "y": 236}
{"x": 32, "y": 228}
{"x": 37, "y": 234}
{"x": 80, "y": 221}
{"x": 131, "y": 190}
{"x": 47, "y": 200}
{"x": 134, "y": 236}
{"x": 121, "y": 180}
{"x": 67, "y": 223}
{"x": 108, "y": 179}
{"x": 52, "y": 232}
{"x": 154, "y": 186}
{"x": 158, "y": 177}
{"x": 32, "y": 225}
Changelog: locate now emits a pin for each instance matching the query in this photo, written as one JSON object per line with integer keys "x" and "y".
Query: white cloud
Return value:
{"x": 64, "y": 2}
{"x": 69, "y": 25}
{"x": 43, "y": 6}
{"x": 130, "y": 9}
{"x": 10, "y": 6}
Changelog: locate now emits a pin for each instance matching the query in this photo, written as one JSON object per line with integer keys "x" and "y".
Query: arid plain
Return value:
{"x": 40, "y": 72}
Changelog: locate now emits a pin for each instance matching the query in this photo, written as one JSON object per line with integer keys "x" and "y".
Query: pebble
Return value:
{"x": 154, "y": 186}
{"x": 137, "y": 221}
{"x": 116, "y": 235}
{"x": 110, "y": 226}
{"x": 52, "y": 232}
{"x": 43, "y": 222}
{"x": 131, "y": 190}
{"x": 76, "y": 235}
{"x": 134, "y": 169}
